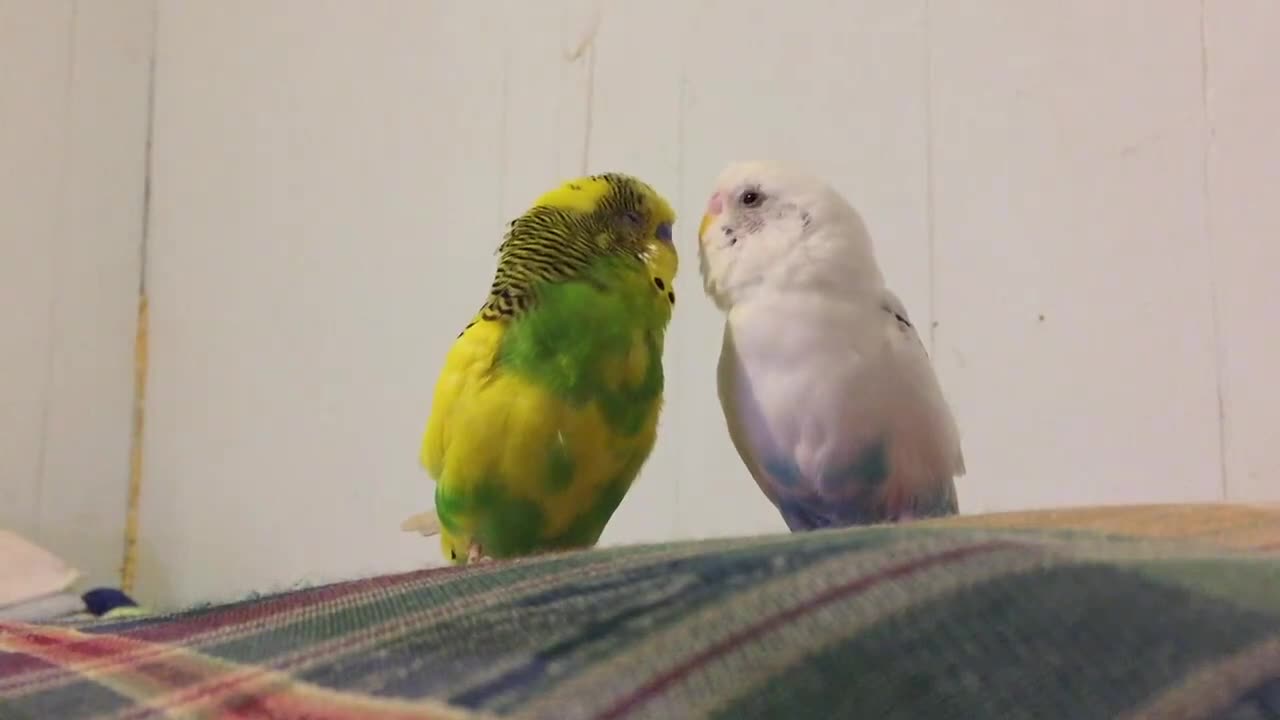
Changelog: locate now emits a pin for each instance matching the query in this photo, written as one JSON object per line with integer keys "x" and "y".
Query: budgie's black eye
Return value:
{"x": 752, "y": 198}
{"x": 631, "y": 217}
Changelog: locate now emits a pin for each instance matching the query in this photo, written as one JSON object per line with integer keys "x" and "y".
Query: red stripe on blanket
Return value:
{"x": 655, "y": 686}
{"x": 296, "y": 707}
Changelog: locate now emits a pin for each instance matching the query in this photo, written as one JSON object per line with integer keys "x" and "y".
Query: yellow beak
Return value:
{"x": 706, "y": 222}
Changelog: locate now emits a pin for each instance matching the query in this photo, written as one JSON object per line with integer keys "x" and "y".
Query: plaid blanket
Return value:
{"x": 1071, "y": 616}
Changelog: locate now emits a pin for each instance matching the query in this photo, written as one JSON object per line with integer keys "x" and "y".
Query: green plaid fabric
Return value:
{"x": 916, "y": 621}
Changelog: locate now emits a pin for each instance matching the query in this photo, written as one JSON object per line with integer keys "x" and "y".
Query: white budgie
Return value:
{"x": 827, "y": 390}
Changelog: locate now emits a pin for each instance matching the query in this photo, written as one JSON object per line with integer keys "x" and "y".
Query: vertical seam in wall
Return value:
{"x": 1207, "y": 239}
{"x": 147, "y": 149}
{"x": 503, "y": 115}
{"x": 585, "y": 48}
{"x": 558, "y": 108}
{"x": 141, "y": 358}
{"x": 590, "y": 103}
{"x": 929, "y": 181}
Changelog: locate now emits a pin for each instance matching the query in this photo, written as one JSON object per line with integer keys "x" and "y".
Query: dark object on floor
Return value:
{"x": 101, "y": 601}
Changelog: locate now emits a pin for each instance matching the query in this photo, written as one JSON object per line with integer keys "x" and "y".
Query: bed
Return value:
{"x": 1135, "y": 612}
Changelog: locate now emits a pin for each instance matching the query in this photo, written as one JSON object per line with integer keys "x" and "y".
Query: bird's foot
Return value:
{"x": 475, "y": 554}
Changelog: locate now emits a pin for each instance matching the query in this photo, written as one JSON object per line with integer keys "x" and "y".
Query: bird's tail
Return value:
{"x": 426, "y": 523}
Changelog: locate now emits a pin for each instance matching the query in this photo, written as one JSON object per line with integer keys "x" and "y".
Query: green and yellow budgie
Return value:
{"x": 548, "y": 402}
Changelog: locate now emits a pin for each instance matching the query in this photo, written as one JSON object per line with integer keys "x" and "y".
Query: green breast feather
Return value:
{"x": 579, "y": 327}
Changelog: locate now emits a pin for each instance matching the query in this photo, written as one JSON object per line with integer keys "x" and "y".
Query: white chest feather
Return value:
{"x": 810, "y": 386}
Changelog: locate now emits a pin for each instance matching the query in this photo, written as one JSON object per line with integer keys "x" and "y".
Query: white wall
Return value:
{"x": 1069, "y": 185}
{"x": 73, "y": 125}
{"x": 1079, "y": 200}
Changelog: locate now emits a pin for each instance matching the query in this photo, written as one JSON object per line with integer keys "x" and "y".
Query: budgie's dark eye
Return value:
{"x": 633, "y": 218}
{"x": 752, "y": 198}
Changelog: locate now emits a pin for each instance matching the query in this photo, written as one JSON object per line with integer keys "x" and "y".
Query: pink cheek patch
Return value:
{"x": 715, "y": 205}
